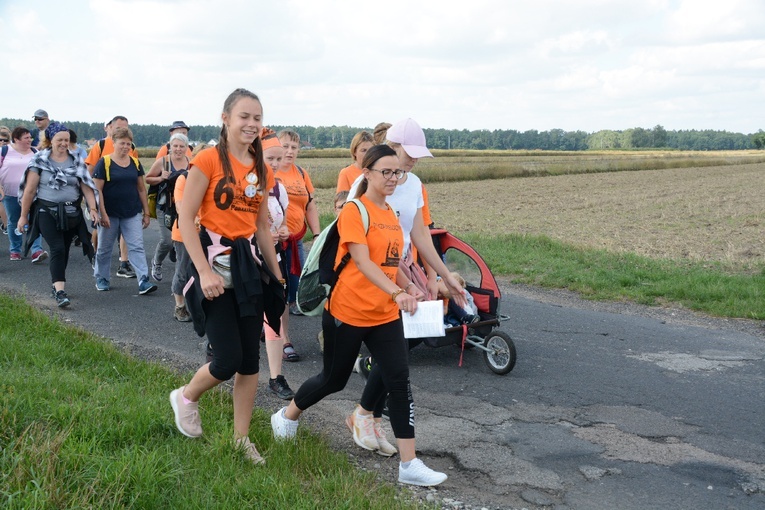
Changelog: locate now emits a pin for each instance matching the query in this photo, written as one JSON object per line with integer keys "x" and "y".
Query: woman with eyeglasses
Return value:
{"x": 407, "y": 140}
{"x": 13, "y": 163}
{"x": 365, "y": 307}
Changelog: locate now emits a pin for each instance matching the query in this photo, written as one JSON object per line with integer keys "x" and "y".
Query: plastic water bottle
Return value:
{"x": 18, "y": 233}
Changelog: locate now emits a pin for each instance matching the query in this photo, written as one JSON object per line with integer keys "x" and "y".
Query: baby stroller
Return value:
{"x": 497, "y": 346}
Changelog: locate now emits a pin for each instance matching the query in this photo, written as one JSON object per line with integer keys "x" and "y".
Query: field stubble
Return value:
{"x": 712, "y": 214}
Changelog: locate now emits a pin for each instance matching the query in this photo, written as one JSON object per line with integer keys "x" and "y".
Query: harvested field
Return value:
{"x": 700, "y": 214}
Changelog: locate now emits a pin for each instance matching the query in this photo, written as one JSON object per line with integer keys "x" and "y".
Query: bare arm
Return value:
{"x": 312, "y": 217}
{"x": 421, "y": 239}
{"x": 265, "y": 240}
{"x": 30, "y": 190}
{"x": 156, "y": 172}
{"x": 193, "y": 193}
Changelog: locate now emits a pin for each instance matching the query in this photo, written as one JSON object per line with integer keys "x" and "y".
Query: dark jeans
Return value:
{"x": 235, "y": 340}
{"x": 388, "y": 346}
{"x": 59, "y": 242}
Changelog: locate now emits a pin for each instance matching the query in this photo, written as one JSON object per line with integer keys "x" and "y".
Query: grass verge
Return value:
{"x": 603, "y": 275}
{"x": 83, "y": 425}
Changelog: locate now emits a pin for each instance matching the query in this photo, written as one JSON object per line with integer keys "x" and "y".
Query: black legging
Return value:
{"x": 375, "y": 392}
{"x": 58, "y": 241}
{"x": 388, "y": 346}
{"x": 235, "y": 340}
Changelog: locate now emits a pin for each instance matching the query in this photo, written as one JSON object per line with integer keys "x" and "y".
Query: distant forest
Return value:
{"x": 324, "y": 137}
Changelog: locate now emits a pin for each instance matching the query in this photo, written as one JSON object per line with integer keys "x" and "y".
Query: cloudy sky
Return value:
{"x": 504, "y": 64}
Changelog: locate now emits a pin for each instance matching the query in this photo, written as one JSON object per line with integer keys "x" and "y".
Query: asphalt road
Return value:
{"x": 609, "y": 406}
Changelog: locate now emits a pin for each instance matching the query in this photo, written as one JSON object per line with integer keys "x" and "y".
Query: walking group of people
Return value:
{"x": 240, "y": 211}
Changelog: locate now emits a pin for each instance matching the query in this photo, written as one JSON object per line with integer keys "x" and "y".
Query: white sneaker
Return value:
{"x": 419, "y": 474}
{"x": 364, "y": 431}
{"x": 283, "y": 427}
{"x": 384, "y": 447}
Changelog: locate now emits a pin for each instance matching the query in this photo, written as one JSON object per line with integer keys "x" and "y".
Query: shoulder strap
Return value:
{"x": 364, "y": 214}
{"x": 3, "y": 153}
{"x": 137, "y": 163}
{"x": 302, "y": 172}
{"x": 107, "y": 164}
{"x": 365, "y": 222}
{"x": 102, "y": 144}
{"x": 34, "y": 151}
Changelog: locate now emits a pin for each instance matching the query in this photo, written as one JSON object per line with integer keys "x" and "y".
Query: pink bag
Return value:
{"x": 415, "y": 273}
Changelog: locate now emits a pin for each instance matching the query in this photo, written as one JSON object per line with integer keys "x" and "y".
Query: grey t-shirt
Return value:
{"x": 69, "y": 192}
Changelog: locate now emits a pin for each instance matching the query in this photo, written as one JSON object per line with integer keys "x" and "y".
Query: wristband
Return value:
{"x": 407, "y": 287}
{"x": 395, "y": 294}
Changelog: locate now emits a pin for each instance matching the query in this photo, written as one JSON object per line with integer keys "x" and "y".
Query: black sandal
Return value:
{"x": 289, "y": 353}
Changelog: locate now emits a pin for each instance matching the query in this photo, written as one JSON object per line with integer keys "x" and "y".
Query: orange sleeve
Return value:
{"x": 94, "y": 155}
{"x": 161, "y": 152}
{"x": 426, "y": 208}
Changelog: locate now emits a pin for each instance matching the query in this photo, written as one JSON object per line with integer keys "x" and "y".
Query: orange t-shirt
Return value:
{"x": 163, "y": 152}
{"x": 355, "y": 300}
{"x": 95, "y": 152}
{"x": 180, "y": 185}
{"x": 300, "y": 191}
{"x": 347, "y": 177}
{"x": 227, "y": 207}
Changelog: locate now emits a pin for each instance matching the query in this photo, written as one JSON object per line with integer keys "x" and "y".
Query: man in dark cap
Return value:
{"x": 41, "y": 122}
{"x": 178, "y": 127}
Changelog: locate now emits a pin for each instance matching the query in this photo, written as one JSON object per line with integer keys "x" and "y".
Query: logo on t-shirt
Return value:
{"x": 393, "y": 254}
{"x": 230, "y": 194}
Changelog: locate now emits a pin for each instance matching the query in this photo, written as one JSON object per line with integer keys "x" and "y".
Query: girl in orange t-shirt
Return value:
{"x": 364, "y": 307}
{"x": 302, "y": 213}
{"x": 226, "y": 186}
{"x": 360, "y": 144}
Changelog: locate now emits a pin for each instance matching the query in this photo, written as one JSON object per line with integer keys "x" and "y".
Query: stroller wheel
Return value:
{"x": 500, "y": 358}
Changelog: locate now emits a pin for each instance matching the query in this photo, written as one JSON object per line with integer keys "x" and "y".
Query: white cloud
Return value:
{"x": 588, "y": 64}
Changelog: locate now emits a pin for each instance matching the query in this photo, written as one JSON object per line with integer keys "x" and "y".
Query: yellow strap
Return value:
{"x": 108, "y": 163}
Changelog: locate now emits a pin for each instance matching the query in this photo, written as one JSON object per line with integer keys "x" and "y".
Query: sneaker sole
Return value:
{"x": 174, "y": 404}
{"x": 64, "y": 304}
{"x": 422, "y": 484}
{"x": 40, "y": 258}
{"x": 125, "y": 275}
{"x": 148, "y": 291}
{"x": 283, "y": 396}
{"x": 102, "y": 290}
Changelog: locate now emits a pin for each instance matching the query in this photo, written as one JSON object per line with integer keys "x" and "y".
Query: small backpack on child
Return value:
{"x": 319, "y": 274}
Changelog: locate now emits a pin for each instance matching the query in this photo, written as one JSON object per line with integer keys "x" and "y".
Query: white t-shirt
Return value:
{"x": 406, "y": 201}
{"x": 276, "y": 208}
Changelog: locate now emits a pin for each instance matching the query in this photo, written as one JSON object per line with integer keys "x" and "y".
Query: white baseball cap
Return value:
{"x": 411, "y": 137}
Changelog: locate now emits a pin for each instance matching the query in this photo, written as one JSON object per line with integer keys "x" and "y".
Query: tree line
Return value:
{"x": 322, "y": 137}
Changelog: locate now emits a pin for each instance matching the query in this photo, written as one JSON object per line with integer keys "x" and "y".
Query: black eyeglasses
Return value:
{"x": 388, "y": 173}
{"x": 40, "y": 118}
{"x": 4, "y": 140}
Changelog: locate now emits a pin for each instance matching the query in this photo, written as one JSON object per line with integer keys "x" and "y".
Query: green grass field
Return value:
{"x": 85, "y": 426}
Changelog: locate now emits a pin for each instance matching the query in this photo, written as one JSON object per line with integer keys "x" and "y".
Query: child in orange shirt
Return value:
{"x": 227, "y": 186}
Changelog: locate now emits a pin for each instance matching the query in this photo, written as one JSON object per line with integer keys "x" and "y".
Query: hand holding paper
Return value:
{"x": 427, "y": 321}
